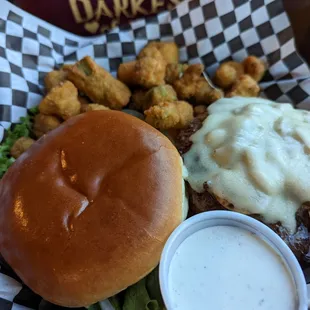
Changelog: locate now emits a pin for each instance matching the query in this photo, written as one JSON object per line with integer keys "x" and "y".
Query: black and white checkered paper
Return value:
{"x": 206, "y": 31}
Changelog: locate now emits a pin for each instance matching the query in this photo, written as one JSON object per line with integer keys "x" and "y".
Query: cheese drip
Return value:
{"x": 255, "y": 154}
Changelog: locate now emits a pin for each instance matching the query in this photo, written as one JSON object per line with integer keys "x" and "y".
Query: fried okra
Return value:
{"x": 168, "y": 50}
{"x": 205, "y": 94}
{"x": 192, "y": 85}
{"x": 150, "y": 72}
{"x": 254, "y": 67}
{"x": 61, "y": 101}
{"x": 228, "y": 73}
{"x": 186, "y": 87}
{"x": 54, "y": 78}
{"x": 160, "y": 94}
{"x": 245, "y": 86}
{"x": 44, "y": 124}
{"x": 20, "y": 146}
{"x": 142, "y": 99}
{"x": 98, "y": 84}
{"x": 146, "y": 72}
{"x": 93, "y": 107}
{"x": 126, "y": 73}
{"x": 167, "y": 115}
{"x": 174, "y": 72}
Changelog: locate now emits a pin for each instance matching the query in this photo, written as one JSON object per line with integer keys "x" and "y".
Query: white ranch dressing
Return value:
{"x": 229, "y": 268}
{"x": 254, "y": 153}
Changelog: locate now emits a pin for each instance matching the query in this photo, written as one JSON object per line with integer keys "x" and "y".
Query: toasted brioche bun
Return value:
{"x": 86, "y": 211}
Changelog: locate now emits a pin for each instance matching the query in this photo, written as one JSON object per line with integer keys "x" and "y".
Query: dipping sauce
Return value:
{"x": 228, "y": 268}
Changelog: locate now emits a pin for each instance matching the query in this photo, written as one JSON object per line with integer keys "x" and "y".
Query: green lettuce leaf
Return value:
{"x": 94, "y": 307}
{"x": 153, "y": 287}
{"x": 116, "y": 302}
{"x": 23, "y": 129}
{"x": 137, "y": 297}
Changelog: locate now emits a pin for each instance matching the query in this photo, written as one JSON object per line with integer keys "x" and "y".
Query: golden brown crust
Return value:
{"x": 20, "y": 146}
{"x": 54, "y": 78}
{"x": 254, "y": 67}
{"x": 98, "y": 84}
{"x": 244, "y": 86}
{"x": 168, "y": 115}
{"x": 169, "y": 51}
{"x": 227, "y": 73}
{"x": 160, "y": 94}
{"x": 126, "y": 71}
{"x": 90, "y": 207}
{"x": 62, "y": 101}
{"x": 186, "y": 86}
{"x": 174, "y": 72}
{"x": 149, "y": 72}
{"x": 44, "y": 124}
{"x": 93, "y": 107}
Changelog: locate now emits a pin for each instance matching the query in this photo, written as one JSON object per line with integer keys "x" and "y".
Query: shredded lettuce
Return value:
{"x": 94, "y": 307}
{"x": 137, "y": 297}
{"x": 23, "y": 129}
{"x": 116, "y": 302}
{"x": 144, "y": 295}
{"x": 153, "y": 287}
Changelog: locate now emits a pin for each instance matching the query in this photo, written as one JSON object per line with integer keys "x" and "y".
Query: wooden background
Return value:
{"x": 299, "y": 13}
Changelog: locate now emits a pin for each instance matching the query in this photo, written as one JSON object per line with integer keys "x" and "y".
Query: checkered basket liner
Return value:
{"x": 206, "y": 31}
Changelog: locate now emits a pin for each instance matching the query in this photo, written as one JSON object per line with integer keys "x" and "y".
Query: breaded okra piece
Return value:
{"x": 98, "y": 84}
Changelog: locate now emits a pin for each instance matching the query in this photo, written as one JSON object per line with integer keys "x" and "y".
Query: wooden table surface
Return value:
{"x": 299, "y": 13}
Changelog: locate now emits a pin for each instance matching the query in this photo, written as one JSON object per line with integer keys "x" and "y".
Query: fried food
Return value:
{"x": 186, "y": 113}
{"x": 163, "y": 116}
{"x": 44, "y": 124}
{"x": 228, "y": 73}
{"x": 61, "y": 101}
{"x": 149, "y": 72}
{"x": 143, "y": 100}
{"x": 93, "y": 107}
{"x": 54, "y": 78}
{"x": 186, "y": 86}
{"x": 205, "y": 94}
{"x": 159, "y": 94}
{"x": 152, "y": 52}
{"x": 20, "y": 146}
{"x": 66, "y": 67}
{"x": 254, "y": 67}
{"x": 167, "y": 115}
{"x": 174, "y": 72}
{"x": 245, "y": 86}
{"x": 126, "y": 72}
{"x": 168, "y": 50}
{"x": 98, "y": 84}
{"x": 192, "y": 85}
{"x": 146, "y": 72}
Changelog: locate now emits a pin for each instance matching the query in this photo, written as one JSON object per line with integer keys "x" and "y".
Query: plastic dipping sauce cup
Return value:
{"x": 225, "y": 260}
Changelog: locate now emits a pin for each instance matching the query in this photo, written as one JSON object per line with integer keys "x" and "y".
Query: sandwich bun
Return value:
{"x": 86, "y": 211}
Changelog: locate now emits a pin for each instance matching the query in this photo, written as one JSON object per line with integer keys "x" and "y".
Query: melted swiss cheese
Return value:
{"x": 255, "y": 154}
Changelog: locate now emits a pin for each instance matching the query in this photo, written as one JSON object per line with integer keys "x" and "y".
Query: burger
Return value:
{"x": 86, "y": 211}
{"x": 252, "y": 156}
